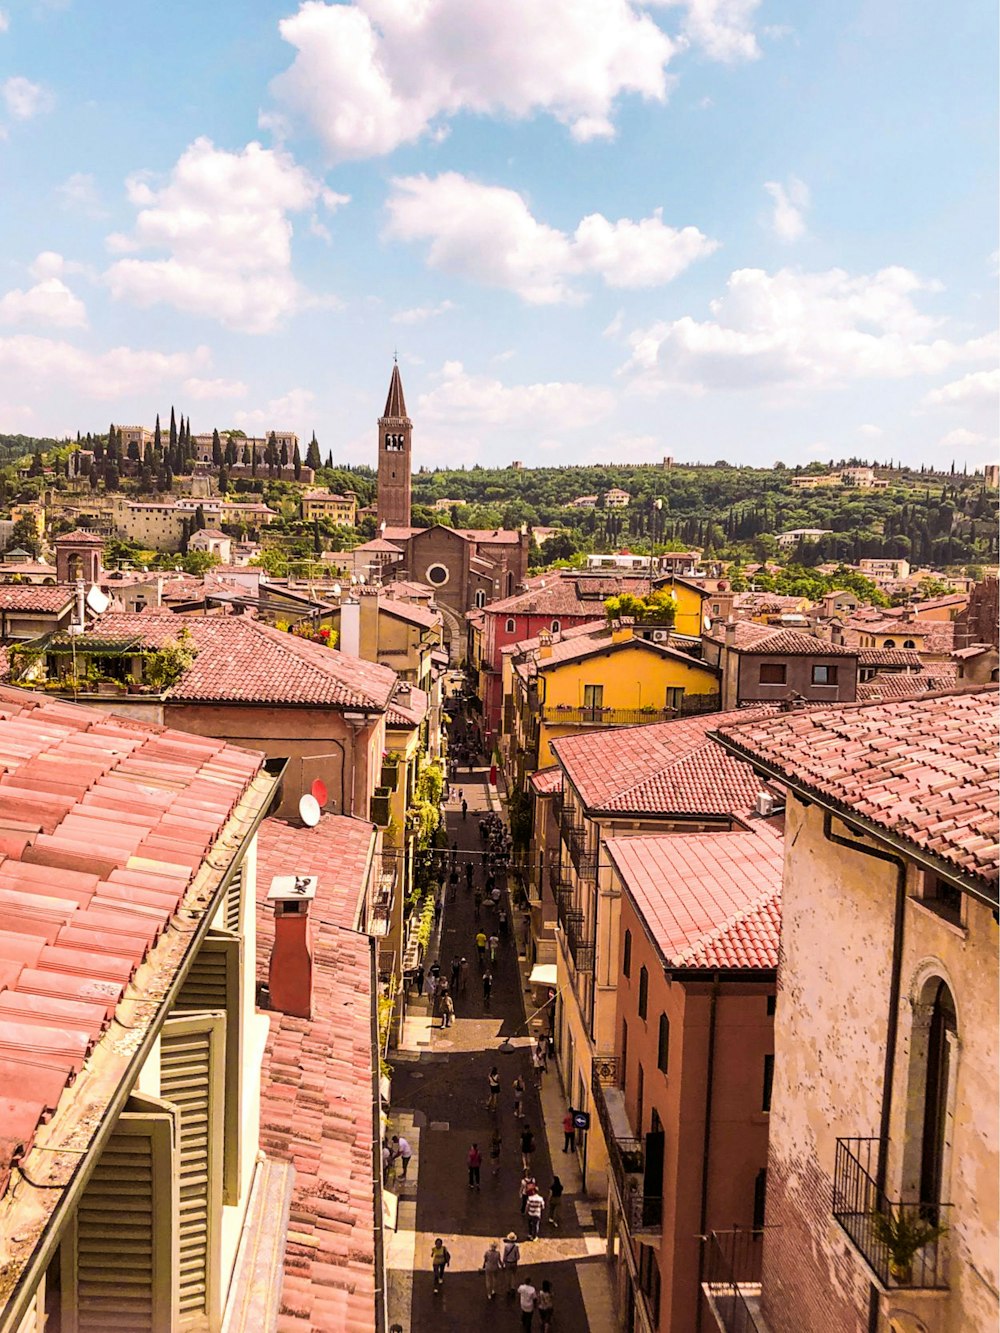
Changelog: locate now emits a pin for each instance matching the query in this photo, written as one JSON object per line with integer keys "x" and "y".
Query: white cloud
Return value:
{"x": 288, "y": 412}
{"x": 722, "y": 28}
{"x": 790, "y": 203}
{"x": 961, "y": 438}
{"x": 23, "y": 99}
{"x": 374, "y": 74}
{"x": 421, "y": 313}
{"x": 871, "y": 432}
{"x": 48, "y": 367}
{"x": 4, "y": 20}
{"x": 979, "y": 389}
{"x": 220, "y": 388}
{"x": 222, "y": 219}
{"x": 461, "y": 398}
{"x": 50, "y": 303}
{"x": 488, "y": 234}
{"x": 802, "y": 329}
{"x": 79, "y": 194}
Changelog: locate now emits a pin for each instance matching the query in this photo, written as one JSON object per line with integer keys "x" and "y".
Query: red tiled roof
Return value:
{"x": 710, "y": 900}
{"x": 241, "y": 660}
{"x": 586, "y": 629}
{"x": 80, "y": 535}
{"x": 923, "y": 769}
{"x": 907, "y": 684}
{"x": 105, "y": 825}
{"x": 410, "y": 611}
{"x": 35, "y": 596}
{"x": 317, "y": 1085}
{"x": 406, "y": 714}
{"x": 547, "y": 781}
{"x": 905, "y": 657}
{"x": 600, "y": 640}
{"x": 776, "y": 642}
{"x": 561, "y": 596}
{"x": 663, "y": 768}
{"x": 379, "y": 544}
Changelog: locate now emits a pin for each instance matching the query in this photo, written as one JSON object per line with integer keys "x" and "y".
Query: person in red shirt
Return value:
{"x": 569, "y": 1132}
{"x": 474, "y": 1161}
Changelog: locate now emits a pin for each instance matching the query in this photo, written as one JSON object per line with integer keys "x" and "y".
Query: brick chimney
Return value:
{"x": 289, "y": 976}
{"x": 730, "y": 632}
{"x": 622, "y": 630}
{"x": 545, "y": 643}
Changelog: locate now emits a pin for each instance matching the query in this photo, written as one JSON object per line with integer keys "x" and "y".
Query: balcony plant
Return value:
{"x": 903, "y": 1234}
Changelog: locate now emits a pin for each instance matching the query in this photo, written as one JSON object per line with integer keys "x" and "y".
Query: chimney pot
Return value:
{"x": 290, "y": 971}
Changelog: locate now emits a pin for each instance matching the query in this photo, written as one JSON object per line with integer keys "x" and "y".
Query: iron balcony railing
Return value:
{"x": 556, "y": 715}
{"x": 871, "y": 1219}
{"x": 732, "y": 1278}
{"x": 642, "y": 1212}
{"x": 563, "y": 894}
{"x": 580, "y": 941}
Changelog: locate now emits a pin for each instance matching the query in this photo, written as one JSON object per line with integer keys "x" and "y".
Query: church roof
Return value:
{"x": 395, "y": 404}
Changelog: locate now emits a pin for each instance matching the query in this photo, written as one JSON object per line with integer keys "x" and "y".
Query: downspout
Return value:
{"x": 380, "y": 1273}
{"x": 707, "y": 1147}
{"x": 892, "y": 1022}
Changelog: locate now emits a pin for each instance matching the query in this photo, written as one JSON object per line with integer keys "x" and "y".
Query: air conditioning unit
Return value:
{"x": 766, "y": 804}
{"x": 660, "y": 635}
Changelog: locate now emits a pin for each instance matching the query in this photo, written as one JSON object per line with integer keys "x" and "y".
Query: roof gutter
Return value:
{"x": 862, "y": 824}
{"x": 17, "y": 1306}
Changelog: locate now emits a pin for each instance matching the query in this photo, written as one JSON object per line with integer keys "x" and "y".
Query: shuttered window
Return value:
{"x": 232, "y": 907}
{"x": 192, "y": 1078}
{"x": 213, "y": 986}
{"x": 123, "y": 1235}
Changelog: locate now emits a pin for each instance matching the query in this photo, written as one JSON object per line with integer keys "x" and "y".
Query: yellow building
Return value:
{"x": 604, "y": 678}
{"x": 400, "y": 635}
{"x": 689, "y": 599}
{"x": 324, "y": 504}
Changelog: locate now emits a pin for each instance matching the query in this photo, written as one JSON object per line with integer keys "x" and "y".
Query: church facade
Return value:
{"x": 466, "y": 567}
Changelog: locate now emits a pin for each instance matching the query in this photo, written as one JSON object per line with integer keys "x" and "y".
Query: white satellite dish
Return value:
{"x": 309, "y": 811}
{"x": 98, "y": 601}
{"x": 336, "y": 590}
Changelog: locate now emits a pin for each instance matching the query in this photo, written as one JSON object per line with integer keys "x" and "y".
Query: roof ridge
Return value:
{"x": 716, "y": 933}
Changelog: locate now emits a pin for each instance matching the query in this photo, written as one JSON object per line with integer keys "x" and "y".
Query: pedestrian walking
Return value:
{"x": 455, "y": 965}
{"x": 387, "y": 1160}
{"x": 418, "y": 978}
{"x": 452, "y": 886}
{"x": 432, "y": 985}
{"x": 511, "y": 1259}
{"x": 481, "y": 942}
{"x": 494, "y": 947}
{"x": 440, "y": 1259}
{"x": 437, "y": 910}
{"x": 492, "y": 1264}
{"x": 477, "y": 902}
{"x": 542, "y": 1051}
{"x": 533, "y": 1211}
{"x": 463, "y": 976}
{"x": 527, "y": 1188}
{"x": 537, "y": 1065}
{"x": 454, "y": 855}
{"x": 494, "y": 1082}
{"x": 518, "y": 1086}
{"x": 435, "y": 969}
{"x": 403, "y": 1151}
{"x": 546, "y": 1305}
{"x": 569, "y": 1132}
{"x": 555, "y": 1200}
{"x": 527, "y": 1146}
{"x": 447, "y": 1011}
{"x": 527, "y": 1298}
{"x": 495, "y": 895}
{"x": 461, "y": 797}
{"x": 474, "y": 1161}
{"x": 465, "y": 809}
{"x": 502, "y": 921}
{"x": 487, "y": 988}
{"x": 468, "y": 874}
{"x": 496, "y": 1147}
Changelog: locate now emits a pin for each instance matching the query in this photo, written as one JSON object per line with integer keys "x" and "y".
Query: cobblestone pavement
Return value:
{"x": 441, "y": 1079}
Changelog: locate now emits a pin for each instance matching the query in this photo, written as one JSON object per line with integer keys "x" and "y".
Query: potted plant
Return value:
{"x": 903, "y": 1234}
{"x": 132, "y": 685}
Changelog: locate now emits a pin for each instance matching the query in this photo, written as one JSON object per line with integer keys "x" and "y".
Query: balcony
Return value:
{"x": 564, "y": 716}
{"x": 643, "y": 1213}
{"x": 381, "y": 813}
{"x": 563, "y": 894}
{"x": 868, "y": 1215}
{"x": 580, "y": 941}
{"x": 732, "y": 1280}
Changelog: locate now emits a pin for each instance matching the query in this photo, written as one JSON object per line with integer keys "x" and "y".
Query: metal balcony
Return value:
{"x": 563, "y": 894}
{"x": 604, "y": 717}
{"x": 732, "y": 1279}
{"x": 860, "y": 1207}
{"x": 580, "y": 941}
{"x": 642, "y": 1212}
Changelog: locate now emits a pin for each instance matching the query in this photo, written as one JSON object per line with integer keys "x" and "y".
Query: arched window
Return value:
{"x": 627, "y": 955}
{"x": 889, "y": 643}
{"x": 909, "y": 643}
{"x": 643, "y": 992}
{"x": 480, "y": 598}
{"x": 933, "y": 1059}
{"x": 556, "y": 627}
{"x": 511, "y": 625}
{"x": 663, "y": 1044}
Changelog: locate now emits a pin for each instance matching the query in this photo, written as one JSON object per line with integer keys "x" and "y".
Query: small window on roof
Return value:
{"x": 889, "y": 643}
{"x": 909, "y": 643}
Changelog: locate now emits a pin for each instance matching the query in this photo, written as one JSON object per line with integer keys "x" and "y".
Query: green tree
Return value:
{"x": 313, "y": 459}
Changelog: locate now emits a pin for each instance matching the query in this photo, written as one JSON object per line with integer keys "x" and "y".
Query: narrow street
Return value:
{"x": 440, "y": 1085}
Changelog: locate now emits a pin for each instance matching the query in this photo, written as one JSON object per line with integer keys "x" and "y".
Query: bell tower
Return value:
{"x": 395, "y": 430}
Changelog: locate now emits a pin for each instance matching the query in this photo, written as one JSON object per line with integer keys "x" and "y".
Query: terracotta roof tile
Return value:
{"x": 664, "y": 768}
{"x": 924, "y": 769}
{"x": 35, "y": 596}
{"x": 568, "y": 595}
{"x": 407, "y": 709}
{"x": 547, "y": 781}
{"x": 317, "y": 1083}
{"x": 708, "y": 900}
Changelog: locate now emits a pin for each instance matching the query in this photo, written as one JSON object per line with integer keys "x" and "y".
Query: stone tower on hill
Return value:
{"x": 395, "y": 430}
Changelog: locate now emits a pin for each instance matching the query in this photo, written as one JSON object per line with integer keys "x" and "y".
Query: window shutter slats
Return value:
{"x": 233, "y": 906}
{"x": 124, "y": 1228}
{"x": 191, "y": 1078}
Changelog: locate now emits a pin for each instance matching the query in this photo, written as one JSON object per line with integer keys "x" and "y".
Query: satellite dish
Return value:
{"x": 309, "y": 810}
{"x": 319, "y": 792}
{"x": 337, "y": 590}
{"x": 98, "y": 601}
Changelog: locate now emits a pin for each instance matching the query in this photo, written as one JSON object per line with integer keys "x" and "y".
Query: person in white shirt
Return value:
{"x": 527, "y": 1298}
{"x": 533, "y": 1211}
{"x": 403, "y": 1151}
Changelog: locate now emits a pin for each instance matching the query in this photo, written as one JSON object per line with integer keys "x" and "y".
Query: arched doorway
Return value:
{"x": 931, "y": 1100}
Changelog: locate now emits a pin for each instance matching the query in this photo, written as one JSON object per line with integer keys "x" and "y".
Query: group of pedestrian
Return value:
{"x": 395, "y": 1149}
{"x": 500, "y": 1263}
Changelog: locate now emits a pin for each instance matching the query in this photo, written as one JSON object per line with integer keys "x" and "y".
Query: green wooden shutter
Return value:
{"x": 123, "y": 1237}
{"x": 192, "y": 1078}
{"x": 232, "y": 909}
{"x": 214, "y": 985}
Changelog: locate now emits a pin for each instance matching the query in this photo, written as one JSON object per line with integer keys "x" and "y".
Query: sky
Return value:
{"x": 591, "y": 230}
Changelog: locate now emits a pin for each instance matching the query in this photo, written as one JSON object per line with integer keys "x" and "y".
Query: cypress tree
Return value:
{"x": 313, "y": 459}
{"x": 216, "y": 448}
{"x": 297, "y": 463}
{"x": 158, "y": 438}
{"x": 284, "y": 453}
{"x": 173, "y": 433}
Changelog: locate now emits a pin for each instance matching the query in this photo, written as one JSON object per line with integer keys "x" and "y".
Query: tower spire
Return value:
{"x": 395, "y": 404}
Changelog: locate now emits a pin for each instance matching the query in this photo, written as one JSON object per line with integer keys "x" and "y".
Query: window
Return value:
{"x": 640, "y": 1095}
{"x": 437, "y": 575}
{"x": 623, "y": 1074}
{"x": 772, "y": 673}
{"x": 643, "y": 992}
{"x": 593, "y": 697}
{"x": 889, "y": 643}
{"x": 663, "y": 1044}
{"x": 768, "y": 1081}
{"x": 715, "y": 608}
{"x": 556, "y": 626}
{"x": 649, "y": 1281}
{"x": 675, "y": 697}
{"x": 627, "y": 955}
{"x": 909, "y": 643}
{"x": 772, "y": 1004}
{"x": 824, "y": 675}
{"x": 759, "y": 1198}
{"x": 510, "y": 625}
{"x": 942, "y": 897}
{"x": 480, "y": 598}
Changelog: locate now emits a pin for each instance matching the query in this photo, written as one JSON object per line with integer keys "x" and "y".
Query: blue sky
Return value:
{"x": 596, "y": 230}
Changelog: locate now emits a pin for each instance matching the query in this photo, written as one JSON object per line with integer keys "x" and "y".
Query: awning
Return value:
{"x": 543, "y": 974}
